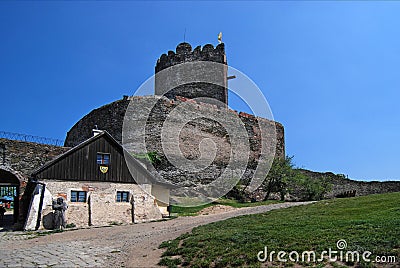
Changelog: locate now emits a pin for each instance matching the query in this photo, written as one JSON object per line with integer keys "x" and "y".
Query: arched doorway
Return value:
{"x": 10, "y": 182}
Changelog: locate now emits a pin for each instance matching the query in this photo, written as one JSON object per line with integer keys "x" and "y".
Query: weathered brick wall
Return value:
{"x": 110, "y": 118}
{"x": 101, "y": 207}
{"x": 25, "y": 157}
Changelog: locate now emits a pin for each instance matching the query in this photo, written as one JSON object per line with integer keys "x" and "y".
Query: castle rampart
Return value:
{"x": 110, "y": 118}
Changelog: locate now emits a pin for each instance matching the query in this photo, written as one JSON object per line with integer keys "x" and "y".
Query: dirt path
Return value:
{"x": 144, "y": 251}
{"x": 133, "y": 245}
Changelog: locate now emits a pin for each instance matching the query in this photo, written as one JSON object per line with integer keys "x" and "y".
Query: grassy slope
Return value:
{"x": 367, "y": 223}
{"x": 191, "y": 211}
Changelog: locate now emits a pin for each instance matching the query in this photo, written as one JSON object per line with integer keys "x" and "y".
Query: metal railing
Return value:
{"x": 30, "y": 138}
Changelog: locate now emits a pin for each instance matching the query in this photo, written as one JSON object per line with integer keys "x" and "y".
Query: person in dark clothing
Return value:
{"x": 59, "y": 207}
{"x": 2, "y": 211}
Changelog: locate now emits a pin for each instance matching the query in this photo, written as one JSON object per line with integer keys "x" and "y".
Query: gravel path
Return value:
{"x": 133, "y": 245}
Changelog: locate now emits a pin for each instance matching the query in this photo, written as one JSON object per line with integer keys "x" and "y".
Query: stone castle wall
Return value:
{"x": 165, "y": 81}
{"x": 110, "y": 118}
{"x": 341, "y": 185}
{"x": 184, "y": 53}
{"x": 25, "y": 157}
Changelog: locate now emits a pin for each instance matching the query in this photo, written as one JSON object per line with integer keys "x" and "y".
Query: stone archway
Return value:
{"x": 11, "y": 182}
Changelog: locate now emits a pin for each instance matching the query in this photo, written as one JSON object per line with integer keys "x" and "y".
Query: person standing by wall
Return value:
{"x": 2, "y": 211}
{"x": 59, "y": 208}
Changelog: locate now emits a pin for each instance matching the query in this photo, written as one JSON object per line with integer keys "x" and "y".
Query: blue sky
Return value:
{"x": 329, "y": 70}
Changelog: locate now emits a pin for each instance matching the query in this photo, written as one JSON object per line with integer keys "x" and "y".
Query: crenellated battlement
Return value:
{"x": 184, "y": 53}
{"x": 174, "y": 83}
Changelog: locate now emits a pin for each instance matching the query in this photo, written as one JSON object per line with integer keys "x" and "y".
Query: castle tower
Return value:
{"x": 164, "y": 84}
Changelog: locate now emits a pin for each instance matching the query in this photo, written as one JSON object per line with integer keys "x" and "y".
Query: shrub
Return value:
{"x": 70, "y": 225}
{"x": 284, "y": 179}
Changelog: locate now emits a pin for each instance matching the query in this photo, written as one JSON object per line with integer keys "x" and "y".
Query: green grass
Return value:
{"x": 192, "y": 211}
{"x": 367, "y": 223}
{"x": 188, "y": 211}
{"x": 35, "y": 234}
{"x": 236, "y": 204}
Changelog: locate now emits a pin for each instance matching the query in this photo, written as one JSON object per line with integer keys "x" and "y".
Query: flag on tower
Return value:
{"x": 220, "y": 37}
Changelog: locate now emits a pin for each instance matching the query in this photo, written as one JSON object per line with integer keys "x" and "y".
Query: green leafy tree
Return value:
{"x": 279, "y": 177}
{"x": 283, "y": 178}
{"x": 314, "y": 188}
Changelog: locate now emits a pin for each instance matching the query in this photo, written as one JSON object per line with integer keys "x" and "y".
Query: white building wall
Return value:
{"x": 101, "y": 207}
{"x": 162, "y": 198}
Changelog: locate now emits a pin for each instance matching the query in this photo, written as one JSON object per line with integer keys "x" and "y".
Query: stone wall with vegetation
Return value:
{"x": 342, "y": 185}
{"x": 110, "y": 118}
{"x": 286, "y": 182}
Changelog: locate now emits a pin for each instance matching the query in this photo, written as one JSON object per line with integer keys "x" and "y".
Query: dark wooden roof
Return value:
{"x": 80, "y": 164}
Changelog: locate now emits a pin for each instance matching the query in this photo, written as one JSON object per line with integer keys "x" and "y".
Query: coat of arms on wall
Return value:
{"x": 103, "y": 169}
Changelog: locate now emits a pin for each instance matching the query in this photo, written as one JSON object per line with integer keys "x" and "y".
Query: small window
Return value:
{"x": 103, "y": 159}
{"x": 78, "y": 196}
{"x": 122, "y": 196}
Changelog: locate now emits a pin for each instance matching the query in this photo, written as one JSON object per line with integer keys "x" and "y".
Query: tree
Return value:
{"x": 279, "y": 177}
{"x": 314, "y": 188}
{"x": 283, "y": 178}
